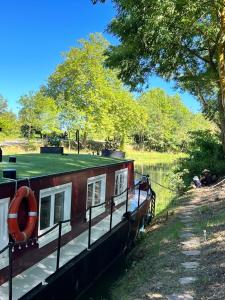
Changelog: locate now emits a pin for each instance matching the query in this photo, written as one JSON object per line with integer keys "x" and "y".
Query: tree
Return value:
{"x": 90, "y": 96}
{"x": 8, "y": 120}
{"x": 38, "y": 113}
{"x": 3, "y": 105}
{"x": 169, "y": 121}
{"x": 175, "y": 39}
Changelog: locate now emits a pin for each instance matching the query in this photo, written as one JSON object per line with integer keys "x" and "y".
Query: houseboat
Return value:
{"x": 64, "y": 219}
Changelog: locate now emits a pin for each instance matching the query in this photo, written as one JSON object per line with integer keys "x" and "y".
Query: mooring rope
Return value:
{"x": 165, "y": 187}
{"x": 151, "y": 180}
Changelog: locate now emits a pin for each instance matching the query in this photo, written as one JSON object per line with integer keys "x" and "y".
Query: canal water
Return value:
{"x": 159, "y": 174}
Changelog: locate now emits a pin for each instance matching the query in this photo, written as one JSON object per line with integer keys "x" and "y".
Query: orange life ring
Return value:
{"x": 13, "y": 226}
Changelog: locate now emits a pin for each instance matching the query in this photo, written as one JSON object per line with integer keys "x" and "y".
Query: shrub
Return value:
{"x": 205, "y": 152}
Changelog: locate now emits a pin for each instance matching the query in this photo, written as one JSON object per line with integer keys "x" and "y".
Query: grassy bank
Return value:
{"x": 149, "y": 261}
{"x": 152, "y": 157}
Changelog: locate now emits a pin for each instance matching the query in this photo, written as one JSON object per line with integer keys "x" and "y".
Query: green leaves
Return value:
{"x": 169, "y": 121}
{"x": 90, "y": 96}
{"x": 38, "y": 112}
{"x": 8, "y": 120}
{"x": 172, "y": 38}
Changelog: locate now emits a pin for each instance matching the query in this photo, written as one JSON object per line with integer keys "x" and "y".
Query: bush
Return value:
{"x": 205, "y": 152}
{"x": 53, "y": 139}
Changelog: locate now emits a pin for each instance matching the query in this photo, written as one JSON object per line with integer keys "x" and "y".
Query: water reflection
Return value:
{"x": 158, "y": 174}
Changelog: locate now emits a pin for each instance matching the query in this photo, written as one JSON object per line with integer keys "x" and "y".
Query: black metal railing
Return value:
{"x": 11, "y": 245}
{"x": 11, "y": 248}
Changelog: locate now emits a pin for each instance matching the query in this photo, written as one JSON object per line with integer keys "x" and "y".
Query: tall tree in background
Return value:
{"x": 169, "y": 121}
{"x": 3, "y": 105}
{"x": 38, "y": 113}
{"x": 175, "y": 39}
{"x": 8, "y": 120}
{"x": 90, "y": 96}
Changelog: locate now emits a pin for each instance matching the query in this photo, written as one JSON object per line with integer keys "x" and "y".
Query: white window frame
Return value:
{"x": 97, "y": 210}
{"x": 4, "y": 257}
{"x": 122, "y": 197}
{"x": 66, "y": 227}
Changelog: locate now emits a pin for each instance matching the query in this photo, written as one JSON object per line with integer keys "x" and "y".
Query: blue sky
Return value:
{"x": 35, "y": 33}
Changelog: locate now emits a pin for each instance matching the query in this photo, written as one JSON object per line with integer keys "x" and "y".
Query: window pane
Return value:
{"x": 98, "y": 185}
{"x": 90, "y": 194}
{"x": 122, "y": 183}
{"x": 45, "y": 212}
{"x": 3, "y": 225}
{"x": 117, "y": 185}
{"x": 59, "y": 207}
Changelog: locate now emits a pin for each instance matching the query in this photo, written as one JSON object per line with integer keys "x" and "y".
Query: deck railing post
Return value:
{"x": 127, "y": 195}
{"x": 89, "y": 228}
{"x": 111, "y": 212}
{"x": 139, "y": 194}
{"x": 59, "y": 245}
{"x": 10, "y": 270}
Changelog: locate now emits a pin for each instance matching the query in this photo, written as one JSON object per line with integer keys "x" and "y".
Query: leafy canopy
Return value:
{"x": 38, "y": 113}
{"x": 169, "y": 121}
{"x": 90, "y": 96}
{"x": 176, "y": 39}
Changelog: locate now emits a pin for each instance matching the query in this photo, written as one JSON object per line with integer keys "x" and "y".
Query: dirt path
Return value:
{"x": 182, "y": 258}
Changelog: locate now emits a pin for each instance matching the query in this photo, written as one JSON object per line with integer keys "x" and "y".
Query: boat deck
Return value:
{"x": 37, "y": 274}
{"x": 36, "y": 165}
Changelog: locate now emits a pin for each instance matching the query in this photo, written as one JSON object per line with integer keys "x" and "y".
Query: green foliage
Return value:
{"x": 90, "y": 97}
{"x": 169, "y": 121}
{"x": 181, "y": 41}
{"x": 175, "y": 39}
{"x": 38, "y": 113}
{"x": 53, "y": 139}
{"x": 8, "y": 120}
{"x": 3, "y": 105}
{"x": 205, "y": 152}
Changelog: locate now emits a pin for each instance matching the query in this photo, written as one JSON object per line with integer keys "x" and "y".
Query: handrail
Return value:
{"x": 115, "y": 196}
{"x": 4, "y": 249}
{"x": 48, "y": 231}
{"x": 34, "y": 238}
{"x": 94, "y": 206}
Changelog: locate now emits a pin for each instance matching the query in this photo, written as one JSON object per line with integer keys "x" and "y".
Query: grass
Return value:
{"x": 152, "y": 157}
{"x": 32, "y": 165}
{"x": 147, "y": 260}
{"x": 209, "y": 217}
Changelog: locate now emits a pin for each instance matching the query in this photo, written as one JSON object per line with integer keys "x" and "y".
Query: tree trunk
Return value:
{"x": 222, "y": 120}
{"x": 84, "y": 141}
{"x": 221, "y": 59}
{"x": 69, "y": 146}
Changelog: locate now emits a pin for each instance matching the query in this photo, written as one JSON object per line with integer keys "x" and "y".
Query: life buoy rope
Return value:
{"x": 13, "y": 226}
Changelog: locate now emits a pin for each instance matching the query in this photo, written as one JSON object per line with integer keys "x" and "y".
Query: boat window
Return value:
{"x": 45, "y": 212}
{"x": 4, "y": 236}
{"x": 4, "y": 203}
{"x": 120, "y": 185}
{"x": 55, "y": 206}
{"x": 120, "y": 181}
{"x": 59, "y": 207}
{"x": 96, "y": 193}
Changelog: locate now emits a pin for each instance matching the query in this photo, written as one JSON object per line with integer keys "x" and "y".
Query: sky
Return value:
{"x": 34, "y": 34}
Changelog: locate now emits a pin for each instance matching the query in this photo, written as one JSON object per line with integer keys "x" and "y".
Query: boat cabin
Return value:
{"x": 55, "y": 209}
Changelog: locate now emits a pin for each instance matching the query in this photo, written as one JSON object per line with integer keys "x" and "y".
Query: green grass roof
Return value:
{"x": 34, "y": 165}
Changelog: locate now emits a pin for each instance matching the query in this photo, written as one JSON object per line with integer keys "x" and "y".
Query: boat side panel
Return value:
{"x": 27, "y": 257}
